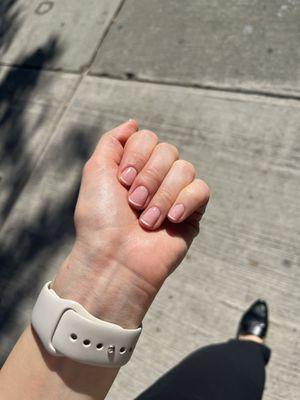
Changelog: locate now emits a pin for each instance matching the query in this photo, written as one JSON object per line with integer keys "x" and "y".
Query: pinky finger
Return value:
{"x": 190, "y": 203}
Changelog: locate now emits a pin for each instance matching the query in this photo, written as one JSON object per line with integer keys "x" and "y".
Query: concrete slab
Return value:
{"x": 31, "y": 102}
{"x": 75, "y": 30}
{"x": 240, "y": 45}
{"x": 247, "y": 149}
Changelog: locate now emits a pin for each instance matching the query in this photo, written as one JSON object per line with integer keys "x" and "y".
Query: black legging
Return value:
{"x": 234, "y": 370}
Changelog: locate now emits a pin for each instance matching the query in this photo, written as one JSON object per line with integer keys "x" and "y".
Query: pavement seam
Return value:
{"x": 234, "y": 90}
{"x": 118, "y": 9}
{"x": 86, "y": 71}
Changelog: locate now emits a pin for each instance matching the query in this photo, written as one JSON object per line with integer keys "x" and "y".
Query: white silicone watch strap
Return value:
{"x": 67, "y": 329}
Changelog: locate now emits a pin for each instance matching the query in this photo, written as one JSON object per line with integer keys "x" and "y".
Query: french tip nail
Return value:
{"x": 139, "y": 196}
{"x": 145, "y": 223}
{"x": 172, "y": 219}
{"x": 123, "y": 181}
{"x": 137, "y": 205}
{"x": 150, "y": 217}
{"x": 176, "y": 213}
{"x": 128, "y": 175}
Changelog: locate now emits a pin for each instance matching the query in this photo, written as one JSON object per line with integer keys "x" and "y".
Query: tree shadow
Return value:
{"x": 32, "y": 244}
{"x": 10, "y": 22}
{"x": 16, "y": 90}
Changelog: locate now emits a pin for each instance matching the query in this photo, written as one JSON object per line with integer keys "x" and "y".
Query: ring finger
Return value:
{"x": 181, "y": 174}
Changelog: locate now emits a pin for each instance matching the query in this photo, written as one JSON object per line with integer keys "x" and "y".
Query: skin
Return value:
{"x": 121, "y": 255}
{"x": 252, "y": 338}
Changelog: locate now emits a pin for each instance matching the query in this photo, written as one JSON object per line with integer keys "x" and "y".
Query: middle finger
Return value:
{"x": 181, "y": 174}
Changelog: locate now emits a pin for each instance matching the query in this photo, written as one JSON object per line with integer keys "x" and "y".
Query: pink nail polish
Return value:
{"x": 128, "y": 175}
{"x": 176, "y": 212}
{"x": 139, "y": 196}
{"x": 150, "y": 217}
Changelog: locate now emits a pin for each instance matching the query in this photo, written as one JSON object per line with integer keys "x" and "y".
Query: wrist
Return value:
{"x": 106, "y": 287}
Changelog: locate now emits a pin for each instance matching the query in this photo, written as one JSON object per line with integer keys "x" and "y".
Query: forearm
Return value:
{"x": 126, "y": 245}
{"x": 30, "y": 373}
{"x": 110, "y": 292}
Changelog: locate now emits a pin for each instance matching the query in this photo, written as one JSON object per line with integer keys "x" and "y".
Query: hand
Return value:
{"x": 137, "y": 213}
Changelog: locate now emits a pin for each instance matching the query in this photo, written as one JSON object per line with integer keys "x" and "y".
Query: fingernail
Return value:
{"x": 133, "y": 120}
{"x": 128, "y": 175}
{"x": 176, "y": 212}
{"x": 139, "y": 196}
{"x": 150, "y": 217}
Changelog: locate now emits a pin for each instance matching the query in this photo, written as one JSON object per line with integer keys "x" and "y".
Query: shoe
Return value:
{"x": 255, "y": 320}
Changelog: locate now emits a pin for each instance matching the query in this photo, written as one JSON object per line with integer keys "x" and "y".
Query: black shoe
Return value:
{"x": 255, "y": 320}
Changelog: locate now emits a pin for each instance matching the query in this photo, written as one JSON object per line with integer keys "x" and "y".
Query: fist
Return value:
{"x": 138, "y": 210}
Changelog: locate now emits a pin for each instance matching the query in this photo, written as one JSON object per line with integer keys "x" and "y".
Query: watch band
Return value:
{"x": 66, "y": 328}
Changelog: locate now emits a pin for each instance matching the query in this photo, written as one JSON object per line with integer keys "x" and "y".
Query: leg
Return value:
{"x": 232, "y": 370}
{"x": 229, "y": 371}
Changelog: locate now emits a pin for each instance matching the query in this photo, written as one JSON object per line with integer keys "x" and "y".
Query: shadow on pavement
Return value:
{"x": 10, "y": 21}
{"x": 26, "y": 250}
{"x": 16, "y": 90}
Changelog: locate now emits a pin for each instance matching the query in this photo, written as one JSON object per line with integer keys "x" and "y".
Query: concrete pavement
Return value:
{"x": 202, "y": 77}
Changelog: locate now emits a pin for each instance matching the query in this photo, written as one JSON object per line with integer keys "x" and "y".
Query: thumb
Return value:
{"x": 111, "y": 145}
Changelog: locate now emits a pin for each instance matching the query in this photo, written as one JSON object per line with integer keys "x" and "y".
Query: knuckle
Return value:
{"x": 186, "y": 167}
{"x": 151, "y": 174}
{"x": 165, "y": 197}
{"x": 114, "y": 143}
{"x": 170, "y": 148}
{"x": 137, "y": 159}
{"x": 107, "y": 137}
{"x": 200, "y": 190}
{"x": 148, "y": 133}
{"x": 133, "y": 137}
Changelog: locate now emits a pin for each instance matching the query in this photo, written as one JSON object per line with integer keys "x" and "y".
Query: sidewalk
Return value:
{"x": 223, "y": 85}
